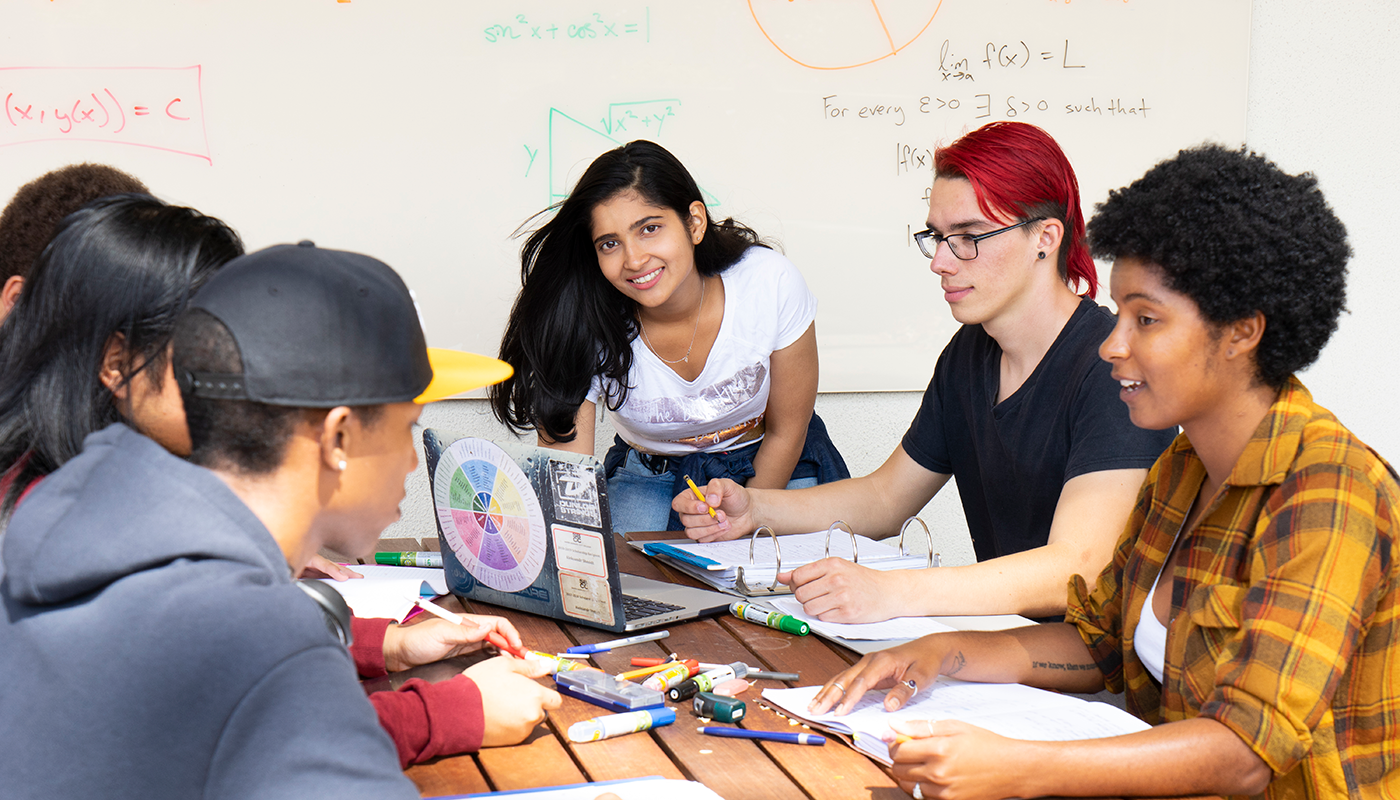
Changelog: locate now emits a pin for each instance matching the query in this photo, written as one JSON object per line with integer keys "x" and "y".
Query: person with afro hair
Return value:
{"x": 29, "y": 221}
{"x": 1250, "y": 613}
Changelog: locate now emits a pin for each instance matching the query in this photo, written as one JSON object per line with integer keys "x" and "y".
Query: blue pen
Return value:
{"x": 770, "y": 736}
{"x": 603, "y": 647}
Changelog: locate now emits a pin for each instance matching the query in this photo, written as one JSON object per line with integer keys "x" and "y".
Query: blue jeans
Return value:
{"x": 640, "y": 499}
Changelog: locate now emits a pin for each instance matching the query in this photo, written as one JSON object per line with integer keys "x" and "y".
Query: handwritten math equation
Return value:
{"x": 593, "y": 26}
{"x": 155, "y": 107}
{"x": 984, "y": 106}
{"x": 956, "y": 66}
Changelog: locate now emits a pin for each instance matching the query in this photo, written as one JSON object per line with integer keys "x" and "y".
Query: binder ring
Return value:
{"x": 855, "y": 549}
{"x": 777, "y": 555}
{"x": 933, "y": 558}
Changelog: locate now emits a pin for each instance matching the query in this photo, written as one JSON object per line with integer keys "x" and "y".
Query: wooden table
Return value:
{"x": 735, "y": 768}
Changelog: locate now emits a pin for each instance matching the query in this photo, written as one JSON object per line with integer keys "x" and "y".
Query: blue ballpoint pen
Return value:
{"x": 603, "y": 647}
{"x": 744, "y": 733}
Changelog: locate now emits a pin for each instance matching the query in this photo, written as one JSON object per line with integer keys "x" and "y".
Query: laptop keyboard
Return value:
{"x": 634, "y": 607}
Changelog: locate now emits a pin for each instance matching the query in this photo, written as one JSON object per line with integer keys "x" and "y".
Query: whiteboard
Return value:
{"x": 424, "y": 132}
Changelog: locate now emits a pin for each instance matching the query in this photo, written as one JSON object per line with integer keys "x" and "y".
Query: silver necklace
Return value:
{"x": 685, "y": 359}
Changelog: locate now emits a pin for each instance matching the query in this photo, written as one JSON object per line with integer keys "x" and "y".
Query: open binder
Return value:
{"x": 751, "y": 569}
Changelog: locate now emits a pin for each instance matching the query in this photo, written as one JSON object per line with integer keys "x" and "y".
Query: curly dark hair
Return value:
{"x": 28, "y": 222}
{"x": 1236, "y": 234}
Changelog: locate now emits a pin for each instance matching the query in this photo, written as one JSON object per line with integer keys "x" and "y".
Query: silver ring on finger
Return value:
{"x": 913, "y": 687}
{"x": 838, "y": 685}
{"x": 918, "y": 791}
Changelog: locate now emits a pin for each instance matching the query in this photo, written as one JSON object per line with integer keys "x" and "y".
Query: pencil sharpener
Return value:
{"x": 718, "y": 707}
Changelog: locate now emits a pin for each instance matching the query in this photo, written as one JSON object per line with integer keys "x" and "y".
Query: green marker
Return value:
{"x": 424, "y": 559}
{"x": 773, "y": 619}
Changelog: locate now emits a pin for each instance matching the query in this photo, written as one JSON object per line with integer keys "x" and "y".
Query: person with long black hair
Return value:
{"x": 697, "y": 337}
{"x": 86, "y": 344}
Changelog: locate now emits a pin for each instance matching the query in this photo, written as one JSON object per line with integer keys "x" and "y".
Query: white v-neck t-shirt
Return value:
{"x": 767, "y": 306}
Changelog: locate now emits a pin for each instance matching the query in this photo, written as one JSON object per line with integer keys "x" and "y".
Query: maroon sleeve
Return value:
{"x": 427, "y": 720}
{"x": 368, "y": 649}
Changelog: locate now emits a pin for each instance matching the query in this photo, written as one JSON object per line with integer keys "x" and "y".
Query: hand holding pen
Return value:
{"x": 449, "y": 635}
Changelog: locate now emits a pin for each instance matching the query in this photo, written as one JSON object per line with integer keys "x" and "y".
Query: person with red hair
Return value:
{"x": 1020, "y": 410}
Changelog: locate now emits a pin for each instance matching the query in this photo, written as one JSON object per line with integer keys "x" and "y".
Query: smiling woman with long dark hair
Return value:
{"x": 697, "y": 337}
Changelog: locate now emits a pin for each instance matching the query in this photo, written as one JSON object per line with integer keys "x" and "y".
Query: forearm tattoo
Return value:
{"x": 1063, "y": 667}
{"x": 959, "y": 661}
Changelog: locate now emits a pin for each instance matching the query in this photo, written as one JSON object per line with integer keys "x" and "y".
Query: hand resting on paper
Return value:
{"x": 918, "y": 661}
{"x": 511, "y": 701}
{"x": 321, "y": 567}
{"x": 836, "y": 590}
{"x": 429, "y": 640}
{"x": 732, "y": 504}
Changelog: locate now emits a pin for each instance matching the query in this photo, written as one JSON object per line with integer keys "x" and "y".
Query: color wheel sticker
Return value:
{"x": 489, "y": 514}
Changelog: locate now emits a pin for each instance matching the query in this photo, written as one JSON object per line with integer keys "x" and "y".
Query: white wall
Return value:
{"x": 1324, "y": 96}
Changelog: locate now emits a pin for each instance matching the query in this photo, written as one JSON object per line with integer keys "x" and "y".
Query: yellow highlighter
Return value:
{"x": 701, "y": 495}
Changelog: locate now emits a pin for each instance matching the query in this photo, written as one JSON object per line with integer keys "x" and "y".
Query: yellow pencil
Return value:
{"x": 642, "y": 672}
{"x": 700, "y": 495}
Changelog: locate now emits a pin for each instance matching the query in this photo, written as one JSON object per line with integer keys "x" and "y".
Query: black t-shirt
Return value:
{"x": 1011, "y": 459}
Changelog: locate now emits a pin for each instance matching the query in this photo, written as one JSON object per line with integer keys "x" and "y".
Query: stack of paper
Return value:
{"x": 1008, "y": 709}
{"x": 717, "y": 563}
{"x": 388, "y": 592}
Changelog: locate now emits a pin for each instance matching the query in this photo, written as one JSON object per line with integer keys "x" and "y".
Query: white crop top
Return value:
{"x": 1150, "y": 638}
{"x": 767, "y": 306}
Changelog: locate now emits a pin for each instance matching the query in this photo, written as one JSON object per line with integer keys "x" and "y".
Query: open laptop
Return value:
{"x": 529, "y": 528}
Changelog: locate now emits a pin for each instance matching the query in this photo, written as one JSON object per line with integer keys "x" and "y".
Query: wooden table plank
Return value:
{"x": 540, "y": 760}
{"x": 736, "y": 768}
{"x": 454, "y": 775}
{"x": 811, "y": 657}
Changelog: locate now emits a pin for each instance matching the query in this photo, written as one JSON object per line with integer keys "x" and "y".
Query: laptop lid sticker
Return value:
{"x": 489, "y": 516}
{"x": 586, "y": 597}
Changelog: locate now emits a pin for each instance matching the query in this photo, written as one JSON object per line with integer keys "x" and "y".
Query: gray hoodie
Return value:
{"x": 152, "y": 645}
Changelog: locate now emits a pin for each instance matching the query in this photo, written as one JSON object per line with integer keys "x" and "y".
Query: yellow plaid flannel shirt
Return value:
{"x": 1284, "y": 623}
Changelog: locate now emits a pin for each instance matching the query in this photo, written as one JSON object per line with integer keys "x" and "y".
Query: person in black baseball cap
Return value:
{"x": 190, "y": 663}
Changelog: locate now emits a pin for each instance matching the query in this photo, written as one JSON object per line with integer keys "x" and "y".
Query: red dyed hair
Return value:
{"x": 1017, "y": 170}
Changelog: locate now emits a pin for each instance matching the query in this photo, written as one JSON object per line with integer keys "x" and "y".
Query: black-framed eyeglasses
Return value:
{"x": 962, "y": 245}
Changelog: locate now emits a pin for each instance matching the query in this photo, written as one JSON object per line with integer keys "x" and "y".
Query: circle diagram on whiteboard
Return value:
{"x": 489, "y": 514}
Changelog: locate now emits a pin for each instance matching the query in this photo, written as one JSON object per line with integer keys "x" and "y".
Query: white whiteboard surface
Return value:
{"x": 424, "y": 132}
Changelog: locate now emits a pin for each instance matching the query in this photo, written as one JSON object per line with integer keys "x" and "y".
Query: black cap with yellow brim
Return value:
{"x": 319, "y": 328}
